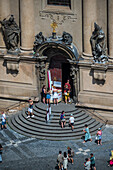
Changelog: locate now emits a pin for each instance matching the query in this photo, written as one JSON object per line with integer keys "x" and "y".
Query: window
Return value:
{"x": 60, "y": 2}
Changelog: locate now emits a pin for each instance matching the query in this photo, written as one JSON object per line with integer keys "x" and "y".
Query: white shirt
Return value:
{"x": 3, "y": 117}
{"x": 71, "y": 119}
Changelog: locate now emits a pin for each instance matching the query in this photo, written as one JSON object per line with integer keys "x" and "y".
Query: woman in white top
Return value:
{"x": 65, "y": 162}
{"x": 55, "y": 95}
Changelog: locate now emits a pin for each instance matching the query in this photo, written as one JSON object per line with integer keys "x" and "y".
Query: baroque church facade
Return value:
{"x": 55, "y": 38}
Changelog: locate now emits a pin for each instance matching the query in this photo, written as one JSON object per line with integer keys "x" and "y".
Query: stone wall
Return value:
{"x": 96, "y": 85}
{"x": 19, "y": 85}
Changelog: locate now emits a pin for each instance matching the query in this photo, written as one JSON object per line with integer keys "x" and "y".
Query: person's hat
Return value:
{"x": 99, "y": 128}
{"x": 71, "y": 114}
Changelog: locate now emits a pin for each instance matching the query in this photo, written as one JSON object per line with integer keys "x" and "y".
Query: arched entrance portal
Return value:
{"x": 60, "y": 70}
{"x": 61, "y": 61}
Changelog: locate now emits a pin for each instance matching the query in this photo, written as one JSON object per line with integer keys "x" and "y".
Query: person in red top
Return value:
{"x": 67, "y": 88}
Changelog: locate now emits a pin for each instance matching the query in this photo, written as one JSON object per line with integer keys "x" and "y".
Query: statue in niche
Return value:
{"x": 39, "y": 39}
{"x": 98, "y": 45}
{"x": 11, "y": 33}
{"x": 67, "y": 38}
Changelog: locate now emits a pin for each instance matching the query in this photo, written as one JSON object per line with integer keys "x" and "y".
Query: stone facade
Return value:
{"x": 22, "y": 75}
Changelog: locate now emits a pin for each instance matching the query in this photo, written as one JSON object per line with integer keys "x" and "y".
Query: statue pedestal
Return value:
{"x": 54, "y": 35}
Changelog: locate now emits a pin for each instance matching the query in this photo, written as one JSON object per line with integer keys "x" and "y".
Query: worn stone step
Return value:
{"x": 30, "y": 126}
{"x": 83, "y": 119}
{"x": 89, "y": 120}
{"x": 26, "y": 132}
{"x": 51, "y": 136}
{"x": 33, "y": 122}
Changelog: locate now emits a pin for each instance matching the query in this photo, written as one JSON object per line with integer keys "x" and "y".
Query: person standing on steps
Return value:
{"x": 55, "y": 95}
{"x": 3, "y": 118}
{"x": 67, "y": 89}
{"x": 48, "y": 96}
{"x": 87, "y": 134}
{"x": 30, "y": 109}
{"x": 44, "y": 94}
{"x": 71, "y": 122}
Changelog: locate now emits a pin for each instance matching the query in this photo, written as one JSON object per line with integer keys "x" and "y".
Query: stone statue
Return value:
{"x": 67, "y": 38}
{"x": 98, "y": 45}
{"x": 11, "y": 33}
{"x": 39, "y": 39}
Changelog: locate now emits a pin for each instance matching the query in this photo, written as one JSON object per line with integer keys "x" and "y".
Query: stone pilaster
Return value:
{"x": 4, "y": 12}
{"x": 110, "y": 27}
{"x": 27, "y": 24}
{"x": 89, "y": 17}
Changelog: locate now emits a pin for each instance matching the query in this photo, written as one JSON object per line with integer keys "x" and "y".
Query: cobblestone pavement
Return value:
{"x": 24, "y": 153}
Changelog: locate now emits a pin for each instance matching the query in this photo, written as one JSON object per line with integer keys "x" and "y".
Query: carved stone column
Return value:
{"x": 110, "y": 27}
{"x": 89, "y": 17}
{"x": 73, "y": 74}
{"x": 27, "y": 24}
{"x": 4, "y": 12}
{"x": 41, "y": 69}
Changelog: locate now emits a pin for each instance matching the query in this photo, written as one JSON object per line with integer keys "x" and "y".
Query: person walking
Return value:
{"x": 65, "y": 162}
{"x": 70, "y": 154}
{"x": 60, "y": 160}
{"x": 87, "y": 164}
{"x": 87, "y": 134}
{"x": 62, "y": 119}
{"x": 111, "y": 158}
{"x": 71, "y": 122}
{"x": 3, "y": 121}
{"x": 30, "y": 109}
{"x": 99, "y": 136}
{"x": 1, "y": 148}
{"x": 92, "y": 159}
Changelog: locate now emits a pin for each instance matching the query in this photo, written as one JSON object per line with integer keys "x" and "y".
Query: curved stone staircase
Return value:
{"x": 38, "y": 128}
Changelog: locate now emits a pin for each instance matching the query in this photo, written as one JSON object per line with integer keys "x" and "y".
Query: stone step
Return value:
{"x": 57, "y": 112}
{"x": 54, "y": 122}
{"x": 39, "y": 128}
{"x": 33, "y": 127}
{"x": 36, "y": 134}
{"x": 38, "y": 124}
{"x": 67, "y": 108}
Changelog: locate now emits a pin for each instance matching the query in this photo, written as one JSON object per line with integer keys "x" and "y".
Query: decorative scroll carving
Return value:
{"x": 42, "y": 67}
{"x": 12, "y": 64}
{"x": 99, "y": 73}
{"x": 59, "y": 18}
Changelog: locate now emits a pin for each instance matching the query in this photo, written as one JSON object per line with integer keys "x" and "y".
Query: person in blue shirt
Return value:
{"x": 62, "y": 118}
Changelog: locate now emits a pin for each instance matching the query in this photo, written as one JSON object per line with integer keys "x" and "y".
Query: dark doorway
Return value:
{"x": 66, "y": 76}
